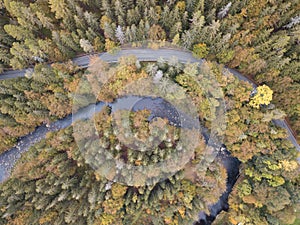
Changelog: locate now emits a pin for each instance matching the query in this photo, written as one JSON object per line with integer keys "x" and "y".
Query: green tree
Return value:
{"x": 200, "y": 51}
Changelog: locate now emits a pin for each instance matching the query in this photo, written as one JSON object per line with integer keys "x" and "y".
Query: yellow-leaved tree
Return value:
{"x": 262, "y": 97}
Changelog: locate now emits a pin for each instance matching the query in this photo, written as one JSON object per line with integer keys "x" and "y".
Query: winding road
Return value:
{"x": 9, "y": 158}
{"x": 153, "y": 55}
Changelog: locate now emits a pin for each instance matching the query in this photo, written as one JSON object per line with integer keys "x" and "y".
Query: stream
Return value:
{"x": 159, "y": 108}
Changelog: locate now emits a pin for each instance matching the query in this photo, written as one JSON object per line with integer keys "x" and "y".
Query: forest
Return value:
{"x": 258, "y": 38}
{"x": 55, "y": 183}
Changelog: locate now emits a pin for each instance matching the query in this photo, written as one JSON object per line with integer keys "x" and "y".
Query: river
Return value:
{"x": 159, "y": 108}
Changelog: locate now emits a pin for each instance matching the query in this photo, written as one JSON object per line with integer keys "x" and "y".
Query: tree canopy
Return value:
{"x": 54, "y": 184}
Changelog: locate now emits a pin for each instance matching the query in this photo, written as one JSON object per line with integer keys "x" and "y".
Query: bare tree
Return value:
{"x": 120, "y": 34}
{"x": 294, "y": 21}
{"x": 224, "y": 11}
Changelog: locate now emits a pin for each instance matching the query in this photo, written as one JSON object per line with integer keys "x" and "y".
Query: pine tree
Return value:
{"x": 153, "y": 17}
{"x": 141, "y": 32}
{"x": 86, "y": 46}
{"x": 4, "y": 56}
{"x": 119, "y": 8}
{"x": 18, "y": 32}
{"x": 59, "y": 8}
{"x": 175, "y": 29}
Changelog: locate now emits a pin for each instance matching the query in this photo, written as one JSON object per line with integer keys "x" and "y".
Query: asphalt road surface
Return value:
{"x": 9, "y": 158}
{"x": 152, "y": 55}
